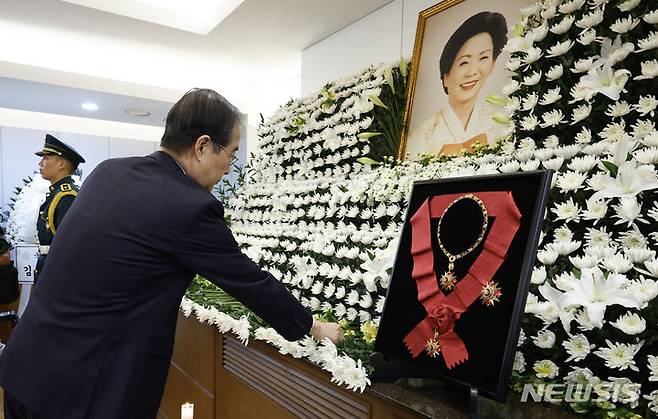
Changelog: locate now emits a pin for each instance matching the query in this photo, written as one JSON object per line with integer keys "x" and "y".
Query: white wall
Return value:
{"x": 18, "y": 161}
{"x": 381, "y": 37}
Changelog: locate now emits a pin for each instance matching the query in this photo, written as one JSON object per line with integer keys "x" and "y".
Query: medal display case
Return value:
{"x": 460, "y": 280}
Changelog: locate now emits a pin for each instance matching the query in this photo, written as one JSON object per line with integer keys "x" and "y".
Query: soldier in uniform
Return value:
{"x": 58, "y": 162}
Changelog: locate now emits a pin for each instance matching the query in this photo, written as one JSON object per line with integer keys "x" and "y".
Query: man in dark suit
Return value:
{"x": 96, "y": 338}
{"x": 58, "y": 162}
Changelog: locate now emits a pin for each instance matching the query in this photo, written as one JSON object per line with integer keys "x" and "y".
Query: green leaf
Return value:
{"x": 612, "y": 168}
{"x": 367, "y": 161}
{"x": 368, "y": 134}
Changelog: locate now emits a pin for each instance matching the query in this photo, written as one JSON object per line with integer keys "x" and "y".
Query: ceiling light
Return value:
{"x": 198, "y": 16}
{"x": 89, "y": 106}
{"x": 136, "y": 112}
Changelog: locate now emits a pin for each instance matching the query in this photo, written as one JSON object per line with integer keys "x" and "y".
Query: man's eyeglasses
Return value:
{"x": 232, "y": 157}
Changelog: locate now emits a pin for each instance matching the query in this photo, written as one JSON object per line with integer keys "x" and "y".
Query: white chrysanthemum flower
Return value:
{"x": 578, "y": 347}
{"x": 560, "y": 48}
{"x": 552, "y": 118}
{"x": 646, "y": 105}
{"x": 529, "y": 123}
{"x": 653, "y": 401}
{"x": 532, "y": 55}
{"x": 580, "y": 92}
{"x": 590, "y": 19}
{"x": 618, "y": 109}
{"x": 613, "y": 132}
{"x": 566, "y": 248}
{"x": 545, "y": 339}
{"x": 513, "y": 64}
{"x": 584, "y": 136}
{"x": 538, "y": 275}
{"x": 620, "y": 355}
{"x": 583, "y": 262}
{"x": 571, "y": 181}
{"x": 649, "y": 70}
{"x": 522, "y": 336}
{"x": 647, "y": 155}
{"x": 539, "y": 33}
{"x": 552, "y": 141}
{"x": 530, "y": 165}
{"x": 652, "y": 365}
{"x": 511, "y": 87}
{"x": 618, "y": 263}
{"x": 563, "y": 26}
{"x": 549, "y": 11}
{"x": 544, "y": 154}
{"x": 510, "y": 167}
{"x": 532, "y": 79}
{"x": 650, "y": 42}
{"x": 587, "y": 37}
{"x": 623, "y": 25}
{"x": 628, "y": 211}
{"x": 581, "y": 112}
{"x": 633, "y": 239}
{"x": 551, "y": 96}
{"x": 643, "y": 128}
{"x": 519, "y": 362}
{"x": 596, "y": 210}
{"x": 643, "y": 289}
{"x": 583, "y": 65}
{"x": 554, "y": 72}
{"x": 530, "y": 10}
{"x": 567, "y": 210}
{"x": 554, "y": 163}
{"x": 529, "y": 102}
{"x": 545, "y": 369}
{"x": 582, "y": 164}
{"x": 630, "y": 323}
{"x": 628, "y": 5}
{"x": 548, "y": 255}
{"x": 571, "y": 6}
{"x": 651, "y": 17}
{"x": 653, "y": 212}
{"x": 641, "y": 255}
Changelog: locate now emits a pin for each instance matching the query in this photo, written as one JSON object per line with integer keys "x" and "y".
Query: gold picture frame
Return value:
{"x": 428, "y": 113}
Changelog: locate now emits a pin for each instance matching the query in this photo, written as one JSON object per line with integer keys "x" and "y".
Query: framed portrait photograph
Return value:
{"x": 460, "y": 280}
{"x": 458, "y": 61}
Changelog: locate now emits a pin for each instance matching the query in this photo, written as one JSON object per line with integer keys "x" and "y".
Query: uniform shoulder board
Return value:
{"x": 65, "y": 187}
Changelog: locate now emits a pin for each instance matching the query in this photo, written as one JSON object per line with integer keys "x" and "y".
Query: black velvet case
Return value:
{"x": 489, "y": 333}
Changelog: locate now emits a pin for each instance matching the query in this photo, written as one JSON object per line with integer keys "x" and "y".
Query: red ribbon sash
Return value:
{"x": 444, "y": 310}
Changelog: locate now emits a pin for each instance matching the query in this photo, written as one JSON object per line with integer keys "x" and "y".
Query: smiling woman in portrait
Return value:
{"x": 467, "y": 61}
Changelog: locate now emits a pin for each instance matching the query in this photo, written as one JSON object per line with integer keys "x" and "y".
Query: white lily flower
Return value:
{"x": 606, "y": 81}
{"x": 630, "y": 181}
{"x": 594, "y": 293}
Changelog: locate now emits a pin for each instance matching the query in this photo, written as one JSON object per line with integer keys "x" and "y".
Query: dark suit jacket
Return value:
{"x": 96, "y": 338}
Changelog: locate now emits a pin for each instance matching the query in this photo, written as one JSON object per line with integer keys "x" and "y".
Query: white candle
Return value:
{"x": 187, "y": 411}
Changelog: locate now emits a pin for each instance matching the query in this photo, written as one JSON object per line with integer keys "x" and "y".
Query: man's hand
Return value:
{"x": 321, "y": 330}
